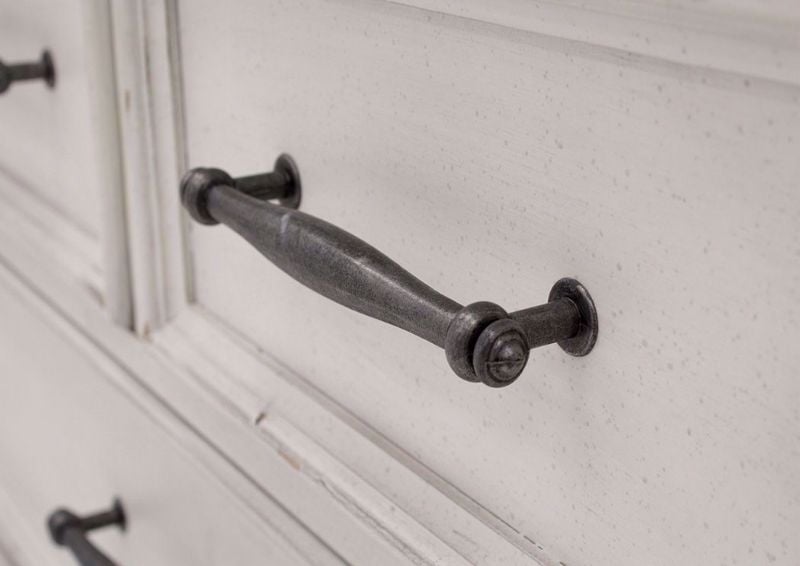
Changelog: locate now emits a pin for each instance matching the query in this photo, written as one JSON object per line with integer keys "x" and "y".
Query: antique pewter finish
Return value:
{"x": 42, "y": 69}
{"x": 482, "y": 342}
{"x": 67, "y": 529}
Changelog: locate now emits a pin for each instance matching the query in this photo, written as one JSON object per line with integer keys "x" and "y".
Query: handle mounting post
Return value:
{"x": 41, "y": 69}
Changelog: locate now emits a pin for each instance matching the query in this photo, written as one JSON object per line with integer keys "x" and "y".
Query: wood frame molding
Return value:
{"x": 750, "y": 39}
{"x": 285, "y": 449}
{"x": 133, "y": 367}
{"x": 385, "y": 504}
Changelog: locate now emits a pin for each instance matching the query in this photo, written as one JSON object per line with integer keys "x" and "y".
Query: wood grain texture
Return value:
{"x": 490, "y": 162}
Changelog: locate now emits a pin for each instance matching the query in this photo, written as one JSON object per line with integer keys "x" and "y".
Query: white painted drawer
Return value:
{"x": 60, "y": 159}
{"x": 491, "y": 160}
{"x": 72, "y": 436}
{"x": 48, "y": 143}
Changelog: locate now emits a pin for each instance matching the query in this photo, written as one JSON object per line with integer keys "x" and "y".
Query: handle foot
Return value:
{"x": 584, "y": 340}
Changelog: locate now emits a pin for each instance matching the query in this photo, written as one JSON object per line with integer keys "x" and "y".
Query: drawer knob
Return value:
{"x": 41, "y": 69}
{"x": 67, "y": 529}
{"x": 482, "y": 342}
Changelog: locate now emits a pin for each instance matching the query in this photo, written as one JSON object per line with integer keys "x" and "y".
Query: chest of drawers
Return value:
{"x": 647, "y": 150}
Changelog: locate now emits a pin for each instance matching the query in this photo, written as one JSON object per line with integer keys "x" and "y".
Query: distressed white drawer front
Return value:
{"x": 71, "y": 436}
{"x": 491, "y": 161}
{"x": 60, "y": 164}
{"x": 47, "y": 140}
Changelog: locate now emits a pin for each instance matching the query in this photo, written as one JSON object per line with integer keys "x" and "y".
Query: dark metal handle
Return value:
{"x": 41, "y": 69}
{"x": 482, "y": 342}
{"x": 67, "y": 529}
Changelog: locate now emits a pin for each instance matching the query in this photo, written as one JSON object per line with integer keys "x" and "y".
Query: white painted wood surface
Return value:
{"x": 139, "y": 152}
{"x": 18, "y": 544}
{"x": 47, "y": 138}
{"x": 747, "y": 37}
{"x": 70, "y": 437}
{"x": 227, "y": 439}
{"x": 490, "y": 161}
{"x": 108, "y": 159}
{"x": 298, "y": 419}
{"x": 34, "y": 231}
{"x": 59, "y": 148}
{"x": 647, "y": 148}
{"x": 41, "y": 254}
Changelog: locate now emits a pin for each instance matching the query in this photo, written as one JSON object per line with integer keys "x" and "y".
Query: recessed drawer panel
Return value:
{"x": 490, "y": 162}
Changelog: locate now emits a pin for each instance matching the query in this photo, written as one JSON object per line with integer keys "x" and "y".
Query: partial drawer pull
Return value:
{"x": 41, "y": 69}
{"x": 482, "y": 342}
{"x": 67, "y": 529}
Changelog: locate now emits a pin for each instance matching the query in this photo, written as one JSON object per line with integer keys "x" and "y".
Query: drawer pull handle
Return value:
{"x": 482, "y": 342}
{"x": 67, "y": 529}
{"x": 41, "y": 69}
